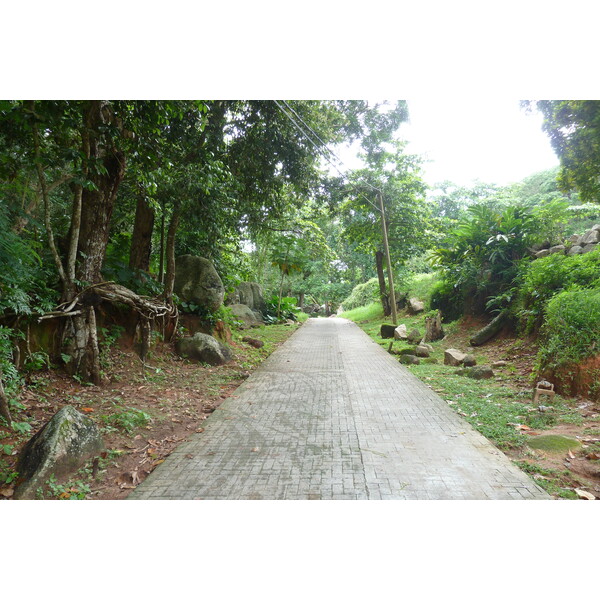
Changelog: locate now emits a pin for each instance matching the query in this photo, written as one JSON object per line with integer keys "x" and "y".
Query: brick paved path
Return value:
{"x": 331, "y": 415}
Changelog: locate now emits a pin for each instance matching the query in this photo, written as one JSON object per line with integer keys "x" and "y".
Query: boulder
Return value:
{"x": 414, "y": 336}
{"x": 588, "y": 248}
{"x": 401, "y": 333}
{"x": 203, "y": 348}
{"x": 590, "y": 237}
{"x": 575, "y": 239}
{"x": 246, "y": 315}
{"x": 422, "y": 351}
{"x": 453, "y": 357}
{"x": 250, "y": 294}
{"x": 469, "y": 361}
{"x": 197, "y": 281}
{"x": 575, "y": 250}
{"x": 61, "y": 447}
{"x": 387, "y": 331}
{"x": 409, "y": 359}
{"x": 595, "y": 227}
{"x": 542, "y": 253}
{"x": 415, "y": 305}
{"x": 557, "y": 249}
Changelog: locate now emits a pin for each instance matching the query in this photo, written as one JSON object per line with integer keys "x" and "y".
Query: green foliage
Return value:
{"x": 11, "y": 378}
{"x": 127, "y": 419}
{"x": 362, "y": 295}
{"x": 421, "y": 286}
{"x": 571, "y": 331}
{"x": 7, "y": 474}
{"x": 368, "y": 312}
{"x": 545, "y": 277}
{"x": 287, "y": 307}
{"x": 72, "y": 490}
{"x": 445, "y": 298}
{"x": 574, "y": 130}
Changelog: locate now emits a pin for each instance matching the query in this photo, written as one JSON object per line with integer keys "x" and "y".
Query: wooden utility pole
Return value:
{"x": 389, "y": 262}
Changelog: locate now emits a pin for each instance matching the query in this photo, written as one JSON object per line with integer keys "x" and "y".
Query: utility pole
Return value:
{"x": 389, "y": 262}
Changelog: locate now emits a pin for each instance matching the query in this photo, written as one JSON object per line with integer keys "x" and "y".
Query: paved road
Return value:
{"x": 331, "y": 415}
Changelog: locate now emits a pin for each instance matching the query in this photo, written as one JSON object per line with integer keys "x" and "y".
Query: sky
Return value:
{"x": 462, "y": 140}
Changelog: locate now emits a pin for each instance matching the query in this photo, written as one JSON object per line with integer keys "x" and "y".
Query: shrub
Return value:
{"x": 571, "y": 331}
{"x": 545, "y": 277}
{"x": 362, "y": 295}
{"x": 447, "y": 299}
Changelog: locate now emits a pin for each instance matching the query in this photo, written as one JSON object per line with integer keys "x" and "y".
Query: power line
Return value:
{"x": 303, "y": 132}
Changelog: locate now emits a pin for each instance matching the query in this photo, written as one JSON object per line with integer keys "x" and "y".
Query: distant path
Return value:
{"x": 331, "y": 415}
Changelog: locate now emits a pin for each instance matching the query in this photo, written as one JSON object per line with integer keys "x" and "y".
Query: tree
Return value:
{"x": 574, "y": 130}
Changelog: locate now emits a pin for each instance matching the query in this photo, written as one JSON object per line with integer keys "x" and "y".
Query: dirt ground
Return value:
{"x": 177, "y": 394}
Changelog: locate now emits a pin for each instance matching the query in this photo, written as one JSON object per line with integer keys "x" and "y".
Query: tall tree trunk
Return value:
{"x": 95, "y": 212}
{"x": 170, "y": 275}
{"x": 161, "y": 266}
{"x": 97, "y": 204}
{"x": 141, "y": 240}
{"x": 385, "y": 301}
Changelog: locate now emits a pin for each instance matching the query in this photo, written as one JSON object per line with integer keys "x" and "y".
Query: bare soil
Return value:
{"x": 177, "y": 394}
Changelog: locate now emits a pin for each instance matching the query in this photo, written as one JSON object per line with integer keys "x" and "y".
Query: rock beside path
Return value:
{"x": 453, "y": 357}
{"x": 247, "y": 316}
{"x": 203, "y": 348}
{"x": 197, "y": 281}
{"x": 61, "y": 447}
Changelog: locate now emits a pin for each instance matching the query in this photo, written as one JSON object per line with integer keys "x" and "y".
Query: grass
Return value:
{"x": 370, "y": 312}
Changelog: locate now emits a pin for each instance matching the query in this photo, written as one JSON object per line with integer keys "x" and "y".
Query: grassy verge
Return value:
{"x": 498, "y": 408}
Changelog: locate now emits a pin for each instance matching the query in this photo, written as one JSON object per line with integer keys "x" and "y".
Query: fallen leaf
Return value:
{"x": 255, "y": 449}
{"x": 593, "y": 456}
{"x": 585, "y": 495}
{"x": 135, "y": 478}
{"x": 201, "y": 430}
{"x": 7, "y": 493}
{"x": 571, "y": 455}
{"x": 64, "y": 496}
{"x": 87, "y": 410}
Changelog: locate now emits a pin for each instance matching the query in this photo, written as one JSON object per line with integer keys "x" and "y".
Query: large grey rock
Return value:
{"x": 542, "y": 253}
{"x": 250, "y": 294}
{"x": 590, "y": 237}
{"x": 557, "y": 249}
{"x": 588, "y": 248}
{"x": 203, "y": 348}
{"x": 595, "y": 227}
{"x": 61, "y": 447}
{"x": 575, "y": 239}
{"x": 575, "y": 250}
{"x": 246, "y": 315}
{"x": 196, "y": 280}
{"x": 401, "y": 333}
{"x": 453, "y": 357}
{"x": 415, "y": 305}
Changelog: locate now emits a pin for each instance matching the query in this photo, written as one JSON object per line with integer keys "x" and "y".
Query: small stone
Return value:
{"x": 498, "y": 363}
{"x": 482, "y": 372}
{"x": 422, "y": 351}
{"x": 409, "y": 359}
{"x": 253, "y": 342}
{"x": 469, "y": 360}
{"x": 414, "y": 336}
{"x": 430, "y": 361}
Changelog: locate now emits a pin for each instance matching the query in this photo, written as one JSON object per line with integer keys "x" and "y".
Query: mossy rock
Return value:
{"x": 553, "y": 443}
{"x": 430, "y": 361}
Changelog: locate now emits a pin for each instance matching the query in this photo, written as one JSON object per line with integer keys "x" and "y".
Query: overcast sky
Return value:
{"x": 463, "y": 140}
{"x": 492, "y": 140}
